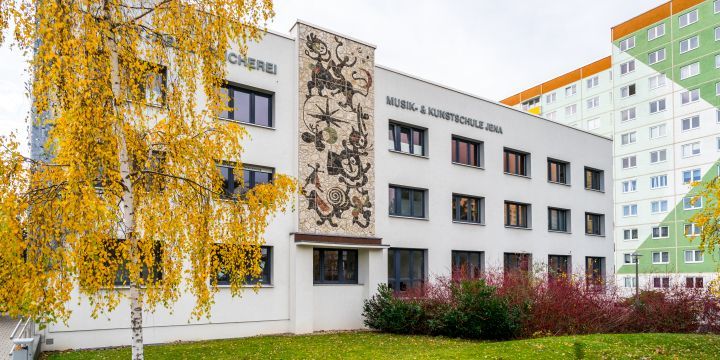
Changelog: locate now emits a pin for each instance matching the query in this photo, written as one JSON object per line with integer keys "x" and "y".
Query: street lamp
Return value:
{"x": 635, "y": 257}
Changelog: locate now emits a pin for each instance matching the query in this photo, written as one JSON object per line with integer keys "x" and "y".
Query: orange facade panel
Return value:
{"x": 511, "y": 100}
{"x": 679, "y": 6}
{"x": 645, "y": 19}
{"x": 596, "y": 67}
{"x": 562, "y": 80}
{"x": 531, "y": 93}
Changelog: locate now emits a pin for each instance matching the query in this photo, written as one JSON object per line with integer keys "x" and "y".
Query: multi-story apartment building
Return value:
{"x": 381, "y": 157}
{"x": 658, "y": 97}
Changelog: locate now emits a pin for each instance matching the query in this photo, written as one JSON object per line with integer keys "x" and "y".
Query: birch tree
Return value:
{"x": 129, "y": 192}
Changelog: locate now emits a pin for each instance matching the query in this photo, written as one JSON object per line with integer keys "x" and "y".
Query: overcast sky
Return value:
{"x": 490, "y": 48}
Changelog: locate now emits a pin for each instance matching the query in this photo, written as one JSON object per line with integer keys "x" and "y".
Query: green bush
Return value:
{"x": 384, "y": 312}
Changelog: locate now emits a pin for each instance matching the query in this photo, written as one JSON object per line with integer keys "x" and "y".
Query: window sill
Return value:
{"x": 517, "y": 227}
{"x": 560, "y": 232}
{"x": 558, "y": 183}
{"x": 468, "y": 223}
{"x": 247, "y": 123}
{"x": 409, "y": 217}
{"x": 409, "y": 154}
{"x": 518, "y": 175}
{"x": 595, "y": 235}
{"x": 595, "y": 190}
{"x": 469, "y": 166}
{"x": 338, "y": 284}
{"x": 266, "y": 286}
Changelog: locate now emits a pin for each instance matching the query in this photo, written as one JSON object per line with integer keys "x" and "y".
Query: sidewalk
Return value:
{"x": 6, "y": 327}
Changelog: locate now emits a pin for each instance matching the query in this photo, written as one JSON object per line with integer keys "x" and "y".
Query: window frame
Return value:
{"x": 601, "y": 224}
{"x": 397, "y": 130}
{"x": 522, "y": 209}
{"x": 565, "y": 214}
{"x": 663, "y": 257}
{"x": 660, "y": 232}
{"x": 398, "y": 205}
{"x": 600, "y": 177}
{"x": 563, "y": 171}
{"x": 656, "y": 34}
{"x": 455, "y": 267}
{"x": 689, "y": 18}
{"x": 266, "y": 277}
{"x": 479, "y": 146}
{"x": 395, "y": 281}
{"x": 252, "y": 93}
{"x": 523, "y": 163}
{"x": 480, "y": 205}
{"x": 342, "y": 280}
{"x": 694, "y": 256}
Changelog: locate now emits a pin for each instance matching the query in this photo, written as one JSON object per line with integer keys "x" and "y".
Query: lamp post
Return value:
{"x": 635, "y": 256}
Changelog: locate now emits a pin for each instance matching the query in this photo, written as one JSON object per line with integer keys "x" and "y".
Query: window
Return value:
{"x": 593, "y": 102}
{"x": 689, "y": 150}
{"x": 690, "y": 123}
{"x": 688, "y": 18}
{"x": 516, "y": 162}
{"x": 658, "y": 156}
{"x": 661, "y": 282}
{"x": 517, "y": 214}
{"x": 593, "y": 124}
{"x": 717, "y": 33}
{"x": 558, "y": 219}
{"x": 248, "y": 106}
{"x": 717, "y": 61}
{"x": 628, "y": 90}
{"x": 716, "y": 6}
{"x": 629, "y": 210}
{"x": 467, "y": 152}
{"x": 407, "y": 201}
{"x": 335, "y": 266}
{"x": 467, "y": 264}
{"x": 114, "y": 258}
{"x": 629, "y": 259}
{"x": 592, "y": 82}
{"x": 406, "y": 269}
{"x": 594, "y": 179}
{"x": 558, "y": 171}
{"x": 658, "y": 131}
{"x": 627, "y": 67}
{"x": 551, "y": 115}
{"x": 595, "y": 224}
{"x": 660, "y": 257}
{"x": 656, "y": 32}
{"x": 627, "y": 114}
{"x": 406, "y": 139}
{"x": 717, "y": 89}
{"x": 657, "y": 81}
{"x": 558, "y": 266}
{"x": 628, "y": 138}
{"x": 689, "y": 96}
{"x": 656, "y": 56}
{"x": 570, "y": 110}
{"x": 630, "y": 234}
{"x": 629, "y": 162}
{"x": 594, "y": 270}
{"x": 658, "y": 206}
{"x": 630, "y": 281}
{"x": 692, "y": 203}
{"x": 550, "y": 98}
{"x": 695, "y": 281}
{"x": 659, "y": 232}
{"x": 692, "y": 230}
{"x": 627, "y": 44}
{"x": 629, "y": 186}
{"x": 514, "y": 262}
{"x": 252, "y": 176}
{"x": 530, "y": 103}
{"x": 689, "y": 44}
{"x": 689, "y": 176}
{"x": 155, "y": 85}
{"x": 658, "y": 181}
{"x": 689, "y": 71}
{"x": 657, "y": 106}
{"x": 693, "y": 256}
{"x": 223, "y": 275}
{"x": 468, "y": 209}
{"x": 571, "y": 90}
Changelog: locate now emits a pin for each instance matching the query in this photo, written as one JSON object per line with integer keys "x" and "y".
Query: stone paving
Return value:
{"x": 6, "y": 327}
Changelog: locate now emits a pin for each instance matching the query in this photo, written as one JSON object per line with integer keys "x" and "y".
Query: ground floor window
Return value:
{"x": 661, "y": 282}
{"x": 467, "y": 264}
{"x": 223, "y": 275}
{"x": 594, "y": 270}
{"x": 694, "y": 282}
{"x": 406, "y": 269}
{"x": 517, "y": 262}
{"x": 335, "y": 266}
{"x": 558, "y": 266}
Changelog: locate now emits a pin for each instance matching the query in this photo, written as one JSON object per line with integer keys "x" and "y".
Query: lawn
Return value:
{"x": 368, "y": 345}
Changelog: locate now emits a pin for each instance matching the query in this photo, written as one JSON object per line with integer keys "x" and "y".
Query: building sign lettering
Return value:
{"x": 442, "y": 114}
{"x": 251, "y": 63}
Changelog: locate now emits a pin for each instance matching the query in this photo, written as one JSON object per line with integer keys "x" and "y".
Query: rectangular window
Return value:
{"x": 629, "y": 162}
{"x": 656, "y": 32}
{"x": 468, "y": 209}
{"x": 594, "y": 224}
{"x": 155, "y": 85}
{"x": 658, "y": 181}
{"x": 658, "y": 156}
{"x": 406, "y": 269}
{"x": 558, "y": 266}
{"x": 658, "y": 206}
{"x": 594, "y": 179}
{"x": 661, "y": 282}
{"x": 689, "y": 96}
{"x": 717, "y": 61}
{"x": 558, "y": 219}
{"x": 467, "y": 152}
{"x": 629, "y": 281}
{"x": 627, "y": 44}
{"x": 627, "y": 67}
{"x": 657, "y": 81}
{"x": 689, "y": 150}
{"x": 630, "y": 234}
{"x": 335, "y": 266}
{"x": 248, "y": 106}
{"x": 407, "y": 201}
{"x": 688, "y": 18}
{"x": 516, "y": 162}
{"x": 517, "y": 214}
{"x": 593, "y": 124}
{"x": 594, "y": 270}
{"x": 550, "y": 98}
{"x": 716, "y": 6}
{"x": 593, "y": 102}
{"x": 629, "y": 186}
{"x": 551, "y": 115}
{"x": 558, "y": 171}
{"x": 467, "y": 264}
{"x": 657, "y": 106}
{"x": 627, "y": 114}
{"x": 695, "y": 282}
{"x": 592, "y": 82}
{"x": 628, "y": 138}
{"x": 717, "y": 89}
{"x": 689, "y": 71}
{"x": 629, "y": 210}
{"x": 656, "y": 56}
{"x": 517, "y": 262}
{"x": 530, "y": 103}
{"x": 406, "y": 139}
{"x": 689, "y": 44}
{"x": 571, "y": 110}
{"x": 692, "y": 203}
{"x": 658, "y": 131}
{"x": 690, "y": 123}
{"x": 692, "y": 230}
{"x": 628, "y": 90}
{"x": 629, "y": 259}
{"x": 251, "y": 177}
{"x": 660, "y": 232}
{"x": 223, "y": 276}
{"x": 570, "y": 90}
{"x": 717, "y": 33}
{"x": 693, "y": 256}
{"x": 690, "y": 176}
{"x": 660, "y": 257}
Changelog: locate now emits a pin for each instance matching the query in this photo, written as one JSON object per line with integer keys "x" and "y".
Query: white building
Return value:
{"x": 381, "y": 156}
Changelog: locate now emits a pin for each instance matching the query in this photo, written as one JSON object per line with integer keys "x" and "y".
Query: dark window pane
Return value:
{"x": 418, "y": 143}
{"x": 350, "y": 265}
{"x": 241, "y": 106}
{"x": 463, "y": 153}
{"x": 330, "y": 265}
{"x": 224, "y": 95}
{"x": 405, "y": 202}
{"x": 391, "y": 137}
{"x": 454, "y": 146}
{"x": 405, "y": 140}
{"x": 418, "y": 203}
{"x": 262, "y": 110}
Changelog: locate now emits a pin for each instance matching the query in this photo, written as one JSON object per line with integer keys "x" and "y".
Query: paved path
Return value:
{"x": 6, "y": 327}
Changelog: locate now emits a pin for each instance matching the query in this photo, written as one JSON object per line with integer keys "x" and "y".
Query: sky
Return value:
{"x": 489, "y": 48}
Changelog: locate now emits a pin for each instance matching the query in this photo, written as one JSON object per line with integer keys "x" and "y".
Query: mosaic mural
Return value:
{"x": 336, "y": 154}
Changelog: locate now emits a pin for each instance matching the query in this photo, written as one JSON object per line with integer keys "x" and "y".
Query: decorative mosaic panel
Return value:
{"x": 336, "y": 150}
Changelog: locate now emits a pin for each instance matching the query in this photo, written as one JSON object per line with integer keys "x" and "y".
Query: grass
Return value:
{"x": 369, "y": 345}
